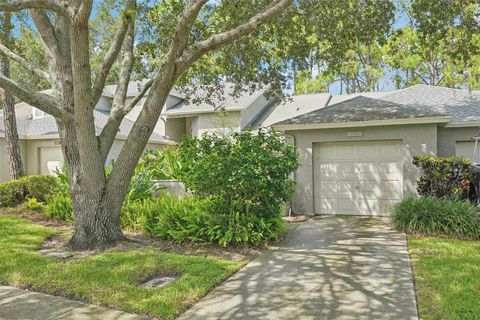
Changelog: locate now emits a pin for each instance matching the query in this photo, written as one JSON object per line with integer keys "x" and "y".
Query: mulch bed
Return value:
{"x": 297, "y": 218}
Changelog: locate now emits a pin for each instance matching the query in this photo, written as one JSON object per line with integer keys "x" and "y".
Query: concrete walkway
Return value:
{"x": 16, "y": 304}
{"x": 327, "y": 268}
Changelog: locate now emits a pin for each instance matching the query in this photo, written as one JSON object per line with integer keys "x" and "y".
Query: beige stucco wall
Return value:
{"x": 4, "y": 170}
{"x": 416, "y": 139}
{"x": 175, "y": 128}
{"x": 448, "y": 137}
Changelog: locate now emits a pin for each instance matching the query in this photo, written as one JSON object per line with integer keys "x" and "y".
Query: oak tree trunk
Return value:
{"x": 12, "y": 143}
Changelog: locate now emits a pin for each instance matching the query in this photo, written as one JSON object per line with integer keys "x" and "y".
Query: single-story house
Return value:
{"x": 356, "y": 151}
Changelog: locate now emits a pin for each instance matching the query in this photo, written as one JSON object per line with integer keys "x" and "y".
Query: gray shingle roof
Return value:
{"x": 461, "y": 105}
{"x": 361, "y": 108}
{"x": 134, "y": 87}
{"x": 47, "y": 126}
{"x": 292, "y": 107}
{"x": 223, "y": 99}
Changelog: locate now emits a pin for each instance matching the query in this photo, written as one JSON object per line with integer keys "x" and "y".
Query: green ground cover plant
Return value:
{"x": 195, "y": 220}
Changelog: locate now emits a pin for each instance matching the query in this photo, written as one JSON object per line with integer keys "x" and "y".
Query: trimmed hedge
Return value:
{"x": 15, "y": 192}
{"x": 439, "y": 217}
{"x": 443, "y": 177}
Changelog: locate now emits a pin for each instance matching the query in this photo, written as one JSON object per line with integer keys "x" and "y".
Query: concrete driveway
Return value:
{"x": 330, "y": 267}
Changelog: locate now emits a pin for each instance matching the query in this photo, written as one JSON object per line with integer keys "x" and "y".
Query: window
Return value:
{"x": 37, "y": 113}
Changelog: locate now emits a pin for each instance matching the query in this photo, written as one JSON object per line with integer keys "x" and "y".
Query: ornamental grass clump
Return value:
{"x": 437, "y": 216}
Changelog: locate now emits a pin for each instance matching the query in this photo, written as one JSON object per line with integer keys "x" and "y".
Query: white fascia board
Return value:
{"x": 370, "y": 123}
{"x": 169, "y": 114}
{"x": 463, "y": 124}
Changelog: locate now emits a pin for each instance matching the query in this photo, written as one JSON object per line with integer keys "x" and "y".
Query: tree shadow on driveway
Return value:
{"x": 330, "y": 267}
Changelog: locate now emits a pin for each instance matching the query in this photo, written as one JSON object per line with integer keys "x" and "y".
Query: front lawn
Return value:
{"x": 111, "y": 278}
{"x": 447, "y": 277}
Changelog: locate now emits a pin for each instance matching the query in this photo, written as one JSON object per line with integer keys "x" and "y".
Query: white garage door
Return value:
{"x": 358, "y": 178}
{"x": 50, "y": 160}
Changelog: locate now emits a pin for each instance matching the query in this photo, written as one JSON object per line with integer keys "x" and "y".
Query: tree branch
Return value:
{"x": 112, "y": 53}
{"x": 107, "y": 136}
{"x": 46, "y": 31}
{"x": 139, "y": 96}
{"x": 23, "y": 62}
{"x": 117, "y": 113}
{"x": 184, "y": 26}
{"x": 40, "y": 100}
{"x": 222, "y": 39}
{"x": 58, "y": 6}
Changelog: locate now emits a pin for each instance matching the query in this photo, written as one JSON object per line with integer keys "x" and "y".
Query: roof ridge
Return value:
{"x": 431, "y": 87}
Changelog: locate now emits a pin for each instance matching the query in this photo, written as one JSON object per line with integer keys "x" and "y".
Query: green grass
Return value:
{"x": 447, "y": 277}
{"x": 109, "y": 279}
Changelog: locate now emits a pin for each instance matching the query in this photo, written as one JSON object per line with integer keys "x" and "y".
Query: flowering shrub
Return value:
{"x": 443, "y": 177}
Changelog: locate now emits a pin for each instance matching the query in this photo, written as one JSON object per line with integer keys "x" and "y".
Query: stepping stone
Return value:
{"x": 158, "y": 282}
{"x": 56, "y": 255}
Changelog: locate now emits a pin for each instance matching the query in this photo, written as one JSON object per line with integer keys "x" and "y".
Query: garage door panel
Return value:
{"x": 367, "y": 151}
{"x": 328, "y": 151}
{"x": 328, "y": 186}
{"x": 390, "y": 166}
{"x": 346, "y": 206}
{"x": 328, "y": 206}
{"x": 327, "y": 169}
{"x": 380, "y": 189}
{"x": 346, "y": 169}
{"x": 346, "y": 188}
{"x": 379, "y": 176}
{"x": 367, "y": 206}
{"x": 346, "y": 152}
{"x": 358, "y": 177}
{"x": 389, "y": 149}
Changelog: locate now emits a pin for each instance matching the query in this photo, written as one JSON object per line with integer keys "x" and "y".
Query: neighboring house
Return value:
{"x": 356, "y": 151}
{"x": 181, "y": 118}
{"x": 40, "y": 144}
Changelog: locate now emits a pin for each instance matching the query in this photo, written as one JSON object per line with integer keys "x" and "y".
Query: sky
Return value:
{"x": 386, "y": 83}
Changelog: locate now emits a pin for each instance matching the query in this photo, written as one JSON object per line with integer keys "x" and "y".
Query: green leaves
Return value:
{"x": 434, "y": 216}
{"x": 443, "y": 177}
{"x": 247, "y": 172}
{"x": 195, "y": 220}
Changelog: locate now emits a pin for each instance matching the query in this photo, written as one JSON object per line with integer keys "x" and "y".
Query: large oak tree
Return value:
{"x": 64, "y": 29}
